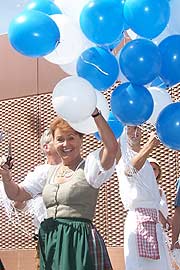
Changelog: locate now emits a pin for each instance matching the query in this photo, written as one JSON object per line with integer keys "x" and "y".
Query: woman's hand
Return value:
{"x": 5, "y": 169}
{"x": 166, "y": 223}
{"x": 153, "y": 139}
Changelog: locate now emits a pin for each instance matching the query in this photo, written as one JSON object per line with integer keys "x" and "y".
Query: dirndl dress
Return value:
{"x": 71, "y": 244}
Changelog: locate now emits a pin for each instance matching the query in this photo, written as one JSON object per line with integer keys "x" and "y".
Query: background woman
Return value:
{"x": 144, "y": 244}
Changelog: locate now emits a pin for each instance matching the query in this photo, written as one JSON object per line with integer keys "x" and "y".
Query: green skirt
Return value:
{"x": 71, "y": 244}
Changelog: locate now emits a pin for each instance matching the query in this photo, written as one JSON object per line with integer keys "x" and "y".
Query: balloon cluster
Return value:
{"x": 83, "y": 36}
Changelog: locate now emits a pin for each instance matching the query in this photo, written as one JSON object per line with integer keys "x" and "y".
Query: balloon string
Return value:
{"x": 17, "y": 224}
{"x": 161, "y": 84}
{"x": 98, "y": 68}
{"x": 57, "y": 43}
{"x": 15, "y": 219}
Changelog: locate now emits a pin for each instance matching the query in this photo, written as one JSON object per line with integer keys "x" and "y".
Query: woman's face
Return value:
{"x": 155, "y": 169}
{"x": 134, "y": 134}
{"x": 68, "y": 144}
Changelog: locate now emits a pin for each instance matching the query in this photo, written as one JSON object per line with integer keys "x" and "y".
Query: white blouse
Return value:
{"x": 95, "y": 175}
{"x": 139, "y": 190}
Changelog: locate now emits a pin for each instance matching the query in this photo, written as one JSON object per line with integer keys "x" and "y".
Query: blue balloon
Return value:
{"x": 125, "y": 26}
{"x": 33, "y": 33}
{"x": 102, "y": 21}
{"x": 140, "y": 61}
{"x": 170, "y": 53}
{"x": 99, "y": 67}
{"x": 112, "y": 46}
{"x": 116, "y": 126}
{"x": 168, "y": 126}
{"x": 46, "y": 6}
{"x": 131, "y": 104}
{"x": 158, "y": 82}
{"x": 147, "y": 18}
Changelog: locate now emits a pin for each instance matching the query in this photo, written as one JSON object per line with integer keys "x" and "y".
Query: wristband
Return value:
{"x": 95, "y": 115}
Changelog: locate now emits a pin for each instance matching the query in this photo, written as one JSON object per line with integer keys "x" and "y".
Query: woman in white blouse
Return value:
{"x": 68, "y": 239}
{"x": 144, "y": 244}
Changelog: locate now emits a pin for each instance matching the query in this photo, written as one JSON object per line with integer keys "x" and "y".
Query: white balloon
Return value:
{"x": 162, "y": 36}
{"x": 168, "y": 31}
{"x": 88, "y": 126}
{"x": 161, "y": 99}
{"x": 71, "y": 8}
{"x": 70, "y": 68}
{"x": 132, "y": 34}
{"x": 74, "y": 99}
{"x": 72, "y": 41}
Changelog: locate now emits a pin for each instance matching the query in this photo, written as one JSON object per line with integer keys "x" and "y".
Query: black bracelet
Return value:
{"x": 95, "y": 115}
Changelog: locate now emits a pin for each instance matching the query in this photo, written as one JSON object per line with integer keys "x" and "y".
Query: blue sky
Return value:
{"x": 8, "y": 10}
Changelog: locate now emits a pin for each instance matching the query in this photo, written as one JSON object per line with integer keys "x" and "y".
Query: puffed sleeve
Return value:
{"x": 35, "y": 181}
{"x": 94, "y": 172}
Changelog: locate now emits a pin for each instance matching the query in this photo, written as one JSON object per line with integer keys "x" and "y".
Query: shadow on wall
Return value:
{"x": 22, "y": 76}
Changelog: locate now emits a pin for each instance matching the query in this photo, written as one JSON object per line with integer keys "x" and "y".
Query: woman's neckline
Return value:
{"x": 74, "y": 167}
{"x": 64, "y": 172}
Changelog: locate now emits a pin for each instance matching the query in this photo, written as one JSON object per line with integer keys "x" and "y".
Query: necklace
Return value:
{"x": 65, "y": 172}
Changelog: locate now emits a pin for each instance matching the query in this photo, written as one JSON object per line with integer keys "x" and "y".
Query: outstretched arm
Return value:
{"x": 119, "y": 154}
{"x": 110, "y": 145}
{"x": 12, "y": 189}
{"x": 139, "y": 159}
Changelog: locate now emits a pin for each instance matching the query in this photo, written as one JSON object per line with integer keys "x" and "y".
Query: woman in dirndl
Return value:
{"x": 68, "y": 239}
